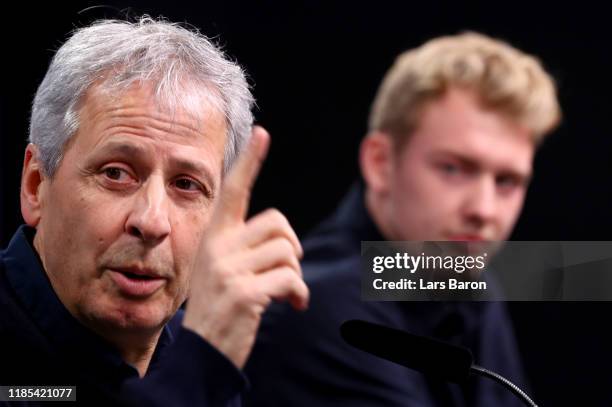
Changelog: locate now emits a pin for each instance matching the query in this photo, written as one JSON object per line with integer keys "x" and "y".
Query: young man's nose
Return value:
{"x": 481, "y": 200}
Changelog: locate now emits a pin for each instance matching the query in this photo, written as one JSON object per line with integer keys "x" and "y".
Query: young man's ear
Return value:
{"x": 376, "y": 161}
{"x": 32, "y": 179}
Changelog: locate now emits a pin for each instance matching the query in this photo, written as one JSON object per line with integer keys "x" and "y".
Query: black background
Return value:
{"x": 315, "y": 67}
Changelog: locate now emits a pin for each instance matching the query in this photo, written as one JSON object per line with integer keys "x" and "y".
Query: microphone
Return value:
{"x": 426, "y": 355}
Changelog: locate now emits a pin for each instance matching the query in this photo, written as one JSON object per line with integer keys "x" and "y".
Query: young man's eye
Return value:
{"x": 508, "y": 182}
{"x": 450, "y": 169}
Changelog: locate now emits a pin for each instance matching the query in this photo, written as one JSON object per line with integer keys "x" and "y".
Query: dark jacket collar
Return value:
{"x": 27, "y": 278}
{"x": 352, "y": 217}
{"x": 352, "y": 224}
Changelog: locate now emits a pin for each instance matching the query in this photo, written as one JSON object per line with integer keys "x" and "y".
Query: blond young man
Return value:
{"x": 452, "y": 135}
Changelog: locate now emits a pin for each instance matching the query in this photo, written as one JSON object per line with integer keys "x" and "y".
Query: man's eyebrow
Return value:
{"x": 127, "y": 149}
{"x": 463, "y": 159}
{"x": 474, "y": 164}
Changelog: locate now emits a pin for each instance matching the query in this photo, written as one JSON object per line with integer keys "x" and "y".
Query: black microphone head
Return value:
{"x": 429, "y": 356}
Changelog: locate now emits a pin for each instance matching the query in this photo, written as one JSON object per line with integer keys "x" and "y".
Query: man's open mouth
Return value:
{"x": 137, "y": 276}
{"x": 136, "y": 284}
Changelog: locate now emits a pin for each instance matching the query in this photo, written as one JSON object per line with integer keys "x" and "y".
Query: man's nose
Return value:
{"x": 149, "y": 217}
{"x": 481, "y": 201}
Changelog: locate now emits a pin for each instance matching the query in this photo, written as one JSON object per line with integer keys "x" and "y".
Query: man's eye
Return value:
{"x": 450, "y": 169}
{"x": 187, "y": 184}
{"x": 508, "y": 182}
{"x": 116, "y": 174}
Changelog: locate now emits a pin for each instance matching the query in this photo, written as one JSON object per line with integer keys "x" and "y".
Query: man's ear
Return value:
{"x": 32, "y": 179}
{"x": 376, "y": 161}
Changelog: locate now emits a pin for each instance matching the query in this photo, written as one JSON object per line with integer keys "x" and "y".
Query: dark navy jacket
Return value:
{"x": 42, "y": 344}
{"x": 301, "y": 360}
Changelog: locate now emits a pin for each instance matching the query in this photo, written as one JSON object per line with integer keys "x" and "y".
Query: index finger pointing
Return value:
{"x": 236, "y": 189}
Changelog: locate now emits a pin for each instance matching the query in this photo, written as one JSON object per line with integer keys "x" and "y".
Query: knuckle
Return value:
{"x": 301, "y": 289}
{"x": 288, "y": 277}
{"x": 277, "y": 217}
{"x": 263, "y": 303}
{"x": 284, "y": 254}
{"x": 304, "y": 288}
{"x": 285, "y": 247}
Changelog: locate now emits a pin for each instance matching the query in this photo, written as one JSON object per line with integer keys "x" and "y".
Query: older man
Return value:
{"x": 453, "y": 132}
{"x": 135, "y": 199}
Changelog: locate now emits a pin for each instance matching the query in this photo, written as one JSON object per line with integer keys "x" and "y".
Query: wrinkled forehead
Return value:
{"x": 138, "y": 110}
{"x": 189, "y": 96}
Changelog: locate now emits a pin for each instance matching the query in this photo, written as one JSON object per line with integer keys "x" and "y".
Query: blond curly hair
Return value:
{"x": 505, "y": 80}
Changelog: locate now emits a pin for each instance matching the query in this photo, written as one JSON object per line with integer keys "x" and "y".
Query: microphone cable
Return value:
{"x": 479, "y": 370}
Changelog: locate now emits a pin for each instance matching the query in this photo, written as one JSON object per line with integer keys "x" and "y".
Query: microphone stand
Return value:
{"x": 367, "y": 336}
{"x": 481, "y": 371}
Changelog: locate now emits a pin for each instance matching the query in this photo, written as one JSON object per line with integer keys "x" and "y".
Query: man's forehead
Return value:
{"x": 133, "y": 124}
{"x": 457, "y": 125}
{"x": 137, "y": 111}
{"x": 196, "y": 108}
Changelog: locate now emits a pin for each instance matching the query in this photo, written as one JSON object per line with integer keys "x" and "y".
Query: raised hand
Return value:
{"x": 243, "y": 265}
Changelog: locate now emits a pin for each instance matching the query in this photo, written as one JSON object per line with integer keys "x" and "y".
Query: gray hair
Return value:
{"x": 115, "y": 54}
